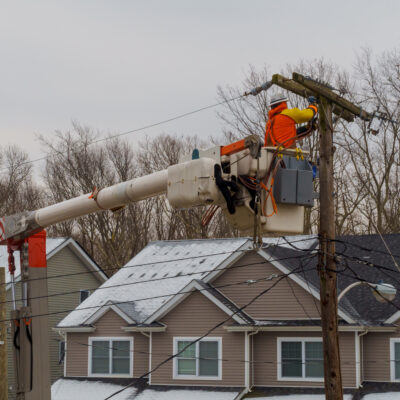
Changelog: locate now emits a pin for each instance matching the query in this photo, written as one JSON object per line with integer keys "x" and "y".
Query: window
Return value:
{"x": 61, "y": 352}
{"x": 200, "y": 360}
{"x": 83, "y": 295}
{"x": 395, "y": 359}
{"x": 300, "y": 359}
{"x": 110, "y": 356}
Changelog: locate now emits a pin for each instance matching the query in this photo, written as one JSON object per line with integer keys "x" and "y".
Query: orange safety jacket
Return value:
{"x": 281, "y": 126}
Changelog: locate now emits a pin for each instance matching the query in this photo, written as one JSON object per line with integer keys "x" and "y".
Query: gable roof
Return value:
{"x": 148, "y": 285}
{"x": 285, "y": 263}
{"x": 208, "y": 291}
{"x": 157, "y": 273}
{"x": 357, "y": 255}
{"x": 53, "y": 246}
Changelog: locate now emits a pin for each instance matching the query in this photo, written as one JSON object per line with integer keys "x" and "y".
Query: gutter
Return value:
{"x": 79, "y": 329}
{"x": 284, "y": 328}
{"x": 144, "y": 329}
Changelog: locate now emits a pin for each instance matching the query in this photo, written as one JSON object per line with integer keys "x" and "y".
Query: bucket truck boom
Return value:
{"x": 253, "y": 185}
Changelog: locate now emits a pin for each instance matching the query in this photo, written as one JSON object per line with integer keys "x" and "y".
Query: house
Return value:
{"x": 70, "y": 269}
{"x": 241, "y": 319}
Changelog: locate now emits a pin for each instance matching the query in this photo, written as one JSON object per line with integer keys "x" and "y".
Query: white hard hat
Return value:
{"x": 277, "y": 98}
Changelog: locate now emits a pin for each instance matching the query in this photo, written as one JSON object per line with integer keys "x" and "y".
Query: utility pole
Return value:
{"x": 3, "y": 336}
{"x": 329, "y": 103}
{"x": 326, "y": 258}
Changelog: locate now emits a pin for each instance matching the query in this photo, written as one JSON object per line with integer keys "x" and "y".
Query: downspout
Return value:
{"x": 360, "y": 378}
{"x": 150, "y": 337}
{"x": 249, "y": 367}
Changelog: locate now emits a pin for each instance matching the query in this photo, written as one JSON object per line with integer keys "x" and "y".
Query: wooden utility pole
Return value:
{"x": 3, "y": 336}
{"x": 329, "y": 103}
{"x": 326, "y": 258}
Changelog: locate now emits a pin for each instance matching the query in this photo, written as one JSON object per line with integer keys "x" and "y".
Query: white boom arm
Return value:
{"x": 191, "y": 183}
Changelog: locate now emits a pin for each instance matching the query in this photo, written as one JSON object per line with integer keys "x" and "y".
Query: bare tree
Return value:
{"x": 76, "y": 166}
{"x": 168, "y": 223}
{"x": 18, "y": 191}
{"x": 375, "y": 158}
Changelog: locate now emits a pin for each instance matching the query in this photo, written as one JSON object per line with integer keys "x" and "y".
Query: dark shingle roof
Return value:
{"x": 364, "y": 256}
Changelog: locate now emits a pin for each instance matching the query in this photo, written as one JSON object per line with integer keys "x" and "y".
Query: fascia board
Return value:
{"x": 306, "y": 329}
{"x": 102, "y": 310}
{"x": 393, "y": 318}
{"x": 144, "y": 329}
{"x": 302, "y": 283}
{"x": 188, "y": 289}
{"x": 76, "y": 329}
{"x": 81, "y": 254}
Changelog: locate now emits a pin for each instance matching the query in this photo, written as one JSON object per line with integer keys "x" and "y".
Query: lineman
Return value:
{"x": 281, "y": 125}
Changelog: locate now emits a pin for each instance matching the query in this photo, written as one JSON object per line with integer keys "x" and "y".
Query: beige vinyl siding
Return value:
{"x": 61, "y": 263}
{"x": 265, "y": 359}
{"x": 109, "y": 325}
{"x": 376, "y": 356}
{"x": 193, "y": 318}
{"x": 287, "y": 300}
{"x": 65, "y": 262}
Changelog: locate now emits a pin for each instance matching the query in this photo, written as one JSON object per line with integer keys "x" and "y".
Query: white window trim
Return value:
{"x": 175, "y": 374}
{"x": 279, "y": 358}
{"x": 112, "y": 338}
{"x": 392, "y": 360}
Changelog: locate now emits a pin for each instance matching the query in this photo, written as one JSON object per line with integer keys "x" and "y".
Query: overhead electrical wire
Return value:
{"x": 162, "y": 122}
{"x": 142, "y": 299}
{"x": 155, "y": 279}
{"x": 145, "y": 264}
{"x": 171, "y": 357}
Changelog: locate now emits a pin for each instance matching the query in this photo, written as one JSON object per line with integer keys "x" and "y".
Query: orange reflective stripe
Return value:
{"x": 232, "y": 148}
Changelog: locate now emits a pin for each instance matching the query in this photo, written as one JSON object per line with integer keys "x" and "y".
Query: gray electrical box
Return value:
{"x": 294, "y": 184}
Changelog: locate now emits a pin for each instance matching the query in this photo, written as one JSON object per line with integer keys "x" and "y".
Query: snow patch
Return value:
{"x": 304, "y": 397}
{"x": 67, "y": 389}
{"x": 300, "y": 242}
{"x": 150, "y": 394}
{"x": 183, "y": 261}
{"x": 383, "y": 396}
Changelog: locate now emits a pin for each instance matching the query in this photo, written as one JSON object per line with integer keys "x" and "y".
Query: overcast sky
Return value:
{"x": 117, "y": 65}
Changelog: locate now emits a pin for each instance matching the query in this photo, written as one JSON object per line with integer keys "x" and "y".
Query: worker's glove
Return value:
{"x": 312, "y": 100}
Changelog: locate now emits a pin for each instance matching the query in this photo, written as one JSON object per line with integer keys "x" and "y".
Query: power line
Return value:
{"x": 171, "y": 357}
{"x": 162, "y": 122}
{"x": 367, "y": 248}
{"x": 142, "y": 299}
{"x": 155, "y": 279}
{"x": 147, "y": 264}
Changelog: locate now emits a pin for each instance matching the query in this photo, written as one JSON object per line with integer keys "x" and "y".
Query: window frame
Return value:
{"x": 80, "y": 295}
{"x": 303, "y": 341}
{"x": 61, "y": 352}
{"x": 392, "y": 353}
{"x": 175, "y": 374}
{"x": 110, "y": 339}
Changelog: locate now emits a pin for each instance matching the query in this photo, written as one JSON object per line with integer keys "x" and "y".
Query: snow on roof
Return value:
{"x": 309, "y": 397}
{"x": 298, "y": 242}
{"x": 184, "y": 394}
{"x": 161, "y": 259}
{"x": 51, "y": 244}
{"x": 383, "y": 396}
{"x": 67, "y": 389}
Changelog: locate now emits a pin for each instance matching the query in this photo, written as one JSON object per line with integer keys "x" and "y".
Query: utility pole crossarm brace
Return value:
{"x": 302, "y": 90}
